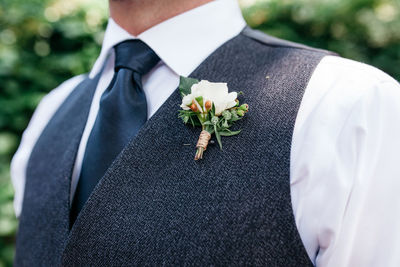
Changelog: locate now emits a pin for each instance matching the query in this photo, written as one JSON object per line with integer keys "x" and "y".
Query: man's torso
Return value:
{"x": 156, "y": 205}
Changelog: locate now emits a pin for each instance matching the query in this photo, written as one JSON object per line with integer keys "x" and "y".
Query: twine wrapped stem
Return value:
{"x": 202, "y": 143}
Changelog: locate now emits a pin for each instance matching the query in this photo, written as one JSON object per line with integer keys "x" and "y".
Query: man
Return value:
{"x": 311, "y": 180}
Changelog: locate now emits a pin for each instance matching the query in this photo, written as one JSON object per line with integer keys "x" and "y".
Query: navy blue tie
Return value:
{"x": 122, "y": 112}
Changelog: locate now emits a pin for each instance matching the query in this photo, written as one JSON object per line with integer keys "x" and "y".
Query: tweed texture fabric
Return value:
{"x": 157, "y": 206}
{"x": 43, "y": 228}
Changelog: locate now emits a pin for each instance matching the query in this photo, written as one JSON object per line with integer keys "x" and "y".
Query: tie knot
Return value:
{"x": 135, "y": 55}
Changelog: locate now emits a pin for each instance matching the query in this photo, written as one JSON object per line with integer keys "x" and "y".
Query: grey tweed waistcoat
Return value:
{"x": 157, "y": 206}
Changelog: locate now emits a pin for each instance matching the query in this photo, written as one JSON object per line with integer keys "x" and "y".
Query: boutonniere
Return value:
{"x": 210, "y": 106}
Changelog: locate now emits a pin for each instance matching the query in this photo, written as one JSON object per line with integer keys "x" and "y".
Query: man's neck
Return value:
{"x": 136, "y": 16}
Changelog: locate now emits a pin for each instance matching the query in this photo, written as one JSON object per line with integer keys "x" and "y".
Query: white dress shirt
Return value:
{"x": 344, "y": 171}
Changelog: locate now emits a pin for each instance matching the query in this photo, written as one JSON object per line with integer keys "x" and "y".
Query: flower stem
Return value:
{"x": 202, "y": 143}
{"x": 199, "y": 153}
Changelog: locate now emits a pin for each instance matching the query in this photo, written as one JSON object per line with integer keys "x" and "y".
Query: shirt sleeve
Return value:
{"x": 345, "y": 173}
{"x": 43, "y": 113}
{"x": 369, "y": 234}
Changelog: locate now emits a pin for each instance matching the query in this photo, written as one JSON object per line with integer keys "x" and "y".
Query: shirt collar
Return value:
{"x": 184, "y": 41}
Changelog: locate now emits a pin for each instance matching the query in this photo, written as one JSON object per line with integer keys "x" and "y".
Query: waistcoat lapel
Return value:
{"x": 44, "y": 221}
{"x": 156, "y": 205}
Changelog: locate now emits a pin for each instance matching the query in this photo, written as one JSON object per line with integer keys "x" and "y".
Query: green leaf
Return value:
{"x": 189, "y": 116}
{"x": 195, "y": 121}
{"x": 199, "y": 100}
{"x": 229, "y": 133}
{"x": 233, "y": 119}
{"x": 213, "y": 110}
{"x": 210, "y": 129}
{"x": 185, "y": 85}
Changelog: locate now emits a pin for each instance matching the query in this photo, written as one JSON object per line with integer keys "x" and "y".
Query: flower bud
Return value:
{"x": 194, "y": 107}
{"x": 240, "y": 112}
{"x": 214, "y": 120}
{"x": 226, "y": 114}
{"x": 244, "y": 107}
{"x": 208, "y": 105}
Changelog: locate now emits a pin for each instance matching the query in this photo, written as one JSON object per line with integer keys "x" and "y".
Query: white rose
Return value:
{"x": 217, "y": 93}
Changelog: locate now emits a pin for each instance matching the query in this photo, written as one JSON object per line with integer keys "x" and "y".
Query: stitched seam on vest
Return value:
{"x": 259, "y": 36}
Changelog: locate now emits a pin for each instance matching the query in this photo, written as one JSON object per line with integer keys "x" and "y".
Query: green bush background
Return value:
{"x": 43, "y": 43}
